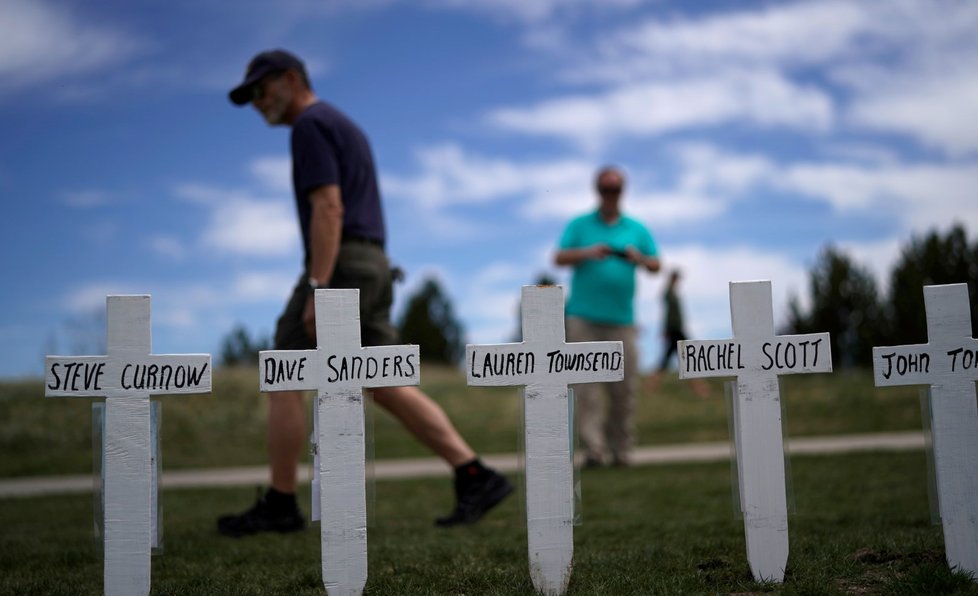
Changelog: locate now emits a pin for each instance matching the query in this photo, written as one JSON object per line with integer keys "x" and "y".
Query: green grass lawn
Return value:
{"x": 862, "y": 527}
{"x": 227, "y": 428}
{"x": 862, "y": 523}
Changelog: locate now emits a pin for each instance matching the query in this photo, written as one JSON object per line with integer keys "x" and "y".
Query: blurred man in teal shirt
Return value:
{"x": 605, "y": 247}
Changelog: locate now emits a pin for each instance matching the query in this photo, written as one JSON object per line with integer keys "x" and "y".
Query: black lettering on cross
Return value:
{"x": 129, "y": 476}
{"x": 940, "y": 365}
{"x": 755, "y": 358}
{"x": 549, "y": 470}
{"x": 339, "y": 494}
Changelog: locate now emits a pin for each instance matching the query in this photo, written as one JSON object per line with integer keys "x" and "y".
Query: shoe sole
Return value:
{"x": 492, "y": 499}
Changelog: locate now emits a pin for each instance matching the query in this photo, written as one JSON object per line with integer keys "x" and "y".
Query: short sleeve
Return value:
{"x": 570, "y": 238}
{"x": 314, "y": 161}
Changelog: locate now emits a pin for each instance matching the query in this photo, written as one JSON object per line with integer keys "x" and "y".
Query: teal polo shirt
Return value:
{"x": 603, "y": 291}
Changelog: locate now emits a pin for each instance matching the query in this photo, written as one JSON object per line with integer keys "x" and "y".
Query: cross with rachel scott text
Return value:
{"x": 340, "y": 369}
{"x": 948, "y": 364}
{"x": 544, "y": 363}
{"x": 756, "y": 357}
{"x": 126, "y": 377}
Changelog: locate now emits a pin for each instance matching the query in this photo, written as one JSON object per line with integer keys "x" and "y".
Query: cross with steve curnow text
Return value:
{"x": 339, "y": 369}
{"x": 545, "y": 364}
{"x": 126, "y": 377}
{"x": 948, "y": 364}
{"x": 756, "y": 357}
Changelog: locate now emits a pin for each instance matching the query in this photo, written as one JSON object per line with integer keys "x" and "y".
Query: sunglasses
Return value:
{"x": 259, "y": 89}
{"x": 609, "y": 189}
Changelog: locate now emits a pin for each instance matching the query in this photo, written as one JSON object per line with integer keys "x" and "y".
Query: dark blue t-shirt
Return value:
{"x": 328, "y": 148}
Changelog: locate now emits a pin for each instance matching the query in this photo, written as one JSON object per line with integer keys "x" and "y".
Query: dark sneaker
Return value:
{"x": 475, "y": 496}
{"x": 263, "y": 517}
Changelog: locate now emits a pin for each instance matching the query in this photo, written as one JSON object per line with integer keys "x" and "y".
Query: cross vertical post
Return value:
{"x": 756, "y": 357}
{"x": 545, "y": 364}
{"x": 339, "y": 369}
{"x": 948, "y": 364}
{"x": 126, "y": 377}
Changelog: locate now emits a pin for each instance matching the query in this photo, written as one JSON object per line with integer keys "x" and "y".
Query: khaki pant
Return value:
{"x": 360, "y": 265}
{"x": 606, "y": 435}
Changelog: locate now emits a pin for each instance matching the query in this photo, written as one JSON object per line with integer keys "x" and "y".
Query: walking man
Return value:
{"x": 341, "y": 218}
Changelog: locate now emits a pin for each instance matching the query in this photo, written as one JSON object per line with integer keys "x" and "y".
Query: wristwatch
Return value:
{"x": 315, "y": 284}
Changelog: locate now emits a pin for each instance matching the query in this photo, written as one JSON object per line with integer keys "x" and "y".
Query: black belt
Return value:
{"x": 347, "y": 238}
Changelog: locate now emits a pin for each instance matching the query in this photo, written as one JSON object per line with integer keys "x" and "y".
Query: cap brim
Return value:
{"x": 243, "y": 93}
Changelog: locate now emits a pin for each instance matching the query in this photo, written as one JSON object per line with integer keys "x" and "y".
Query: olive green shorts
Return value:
{"x": 362, "y": 266}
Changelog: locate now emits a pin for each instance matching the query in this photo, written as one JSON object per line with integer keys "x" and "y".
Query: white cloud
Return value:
{"x": 169, "y": 247}
{"x": 262, "y": 286}
{"x": 937, "y": 109}
{"x": 451, "y": 176}
{"x": 255, "y": 228}
{"x": 42, "y": 42}
{"x": 87, "y": 199}
{"x": 920, "y": 196}
{"x": 758, "y": 97}
{"x": 904, "y": 66}
{"x": 91, "y": 296}
{"x": 532, "y": 12}
{"x": 878, "y": 257}
{"x": 244, "y": 223}
{"x": 788, "y": 34}
{"x": 273, "y": 173}
{"x": 706, "y": 273}
{"x": 490, "y": 302}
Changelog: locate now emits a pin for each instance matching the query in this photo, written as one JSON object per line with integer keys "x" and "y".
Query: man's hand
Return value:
{"x": 575, "y": 256}
{"x": 309, "y": 316}
{"x": 599, "y": 251}
{"x": 650, "y": 263}
{"x": 633, "y": 255}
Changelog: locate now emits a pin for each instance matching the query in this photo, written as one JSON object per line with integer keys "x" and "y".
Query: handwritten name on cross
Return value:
{"x": 756, "y": 357}
{"x": 126, "y": 377}
{"x": 948, "y": 363}
{"x": 339, "y": 369}
{"x": 545, "y": 364}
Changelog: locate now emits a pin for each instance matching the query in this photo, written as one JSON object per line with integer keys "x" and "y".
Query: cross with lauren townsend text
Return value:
{"x": 126, "y": 377}
{"x": 756, "y": 357}
{"x": 339, "y": 369}
{"x": 948, "y": 364}
{"x": 545, "y": 364}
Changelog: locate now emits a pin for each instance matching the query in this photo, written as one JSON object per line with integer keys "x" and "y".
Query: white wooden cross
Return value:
{"x": 948, "y": 363}
{"x": 545, "y": 364}
{"x": 339, "y": 369}
{"x": 126, "y": 377}
{"x": 756, "y": 357}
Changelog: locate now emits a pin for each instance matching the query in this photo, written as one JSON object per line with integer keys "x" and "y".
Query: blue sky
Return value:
{"x": 753, "y": 134}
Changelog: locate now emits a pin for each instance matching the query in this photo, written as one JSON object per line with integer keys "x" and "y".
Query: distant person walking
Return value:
{"x": 673, "y": 331}
{"x": 605, "y": 247}
{"x": 342, "y": 224}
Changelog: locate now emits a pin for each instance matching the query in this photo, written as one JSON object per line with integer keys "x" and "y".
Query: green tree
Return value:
{"x": 238, "y": 347}
{"x": 429, "y": 322}
{"x": 845, "y": 303}
{"x": 929, "y": 260}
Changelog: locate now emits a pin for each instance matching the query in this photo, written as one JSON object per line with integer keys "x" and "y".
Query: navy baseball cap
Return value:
{"x": 262, "y": 65}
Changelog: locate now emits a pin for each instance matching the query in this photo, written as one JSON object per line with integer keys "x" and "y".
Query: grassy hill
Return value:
{"x": 41, "y": 435}
{"x": 861, "y": 525}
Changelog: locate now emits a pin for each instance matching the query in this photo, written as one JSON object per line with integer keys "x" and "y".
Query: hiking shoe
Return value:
{"x": 263, "y": 517}
{"x": 475, "y": 496}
